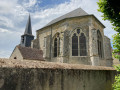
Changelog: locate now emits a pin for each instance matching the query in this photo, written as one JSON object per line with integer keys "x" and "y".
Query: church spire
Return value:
{"x": 28, "y": 29}
{"x": 27, "y": 37}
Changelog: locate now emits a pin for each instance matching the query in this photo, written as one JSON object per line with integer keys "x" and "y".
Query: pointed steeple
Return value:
{"x": 27, "y": 37}
{"x": 28, "y": 29}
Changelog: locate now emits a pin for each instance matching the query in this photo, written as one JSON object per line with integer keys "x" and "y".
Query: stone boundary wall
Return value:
{"x": 40, "y": 75}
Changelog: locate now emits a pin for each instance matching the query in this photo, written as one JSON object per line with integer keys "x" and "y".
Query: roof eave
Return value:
{"x": 98, "y": 20}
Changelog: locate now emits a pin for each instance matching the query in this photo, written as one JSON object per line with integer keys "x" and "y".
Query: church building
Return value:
{"x": 23, "y": 51}
{"x": 76, "y": 37}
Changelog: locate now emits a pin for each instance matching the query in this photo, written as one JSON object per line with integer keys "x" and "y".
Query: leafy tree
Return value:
{"x": 111, "y": 12}
{"x": 116, "y": 84}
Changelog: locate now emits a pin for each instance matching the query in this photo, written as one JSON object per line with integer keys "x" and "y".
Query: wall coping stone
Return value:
{"x": 47, "y": 65}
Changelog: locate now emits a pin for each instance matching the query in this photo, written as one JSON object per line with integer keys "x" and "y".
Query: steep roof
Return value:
{"x": 79, "y": 12}
{"x": 74, "y": 13}
{"x": 28, "y": 29}
{"x": 31, "y": 53}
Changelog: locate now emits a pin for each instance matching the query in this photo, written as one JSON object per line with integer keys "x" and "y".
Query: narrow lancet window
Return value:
{"x": 74, "y": 45}
{"x": 82, "y": 41}
{"x": 99, "y": 42}
{"x": 55, "y": 47}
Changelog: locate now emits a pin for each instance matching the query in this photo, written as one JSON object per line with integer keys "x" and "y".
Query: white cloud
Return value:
{"x": 4, "y": 31}
{"x": 20, "y": 10}
{"x": 5, "y": 53}
{"x": 30, "y": 3}
{"x": 7, "y": 6}
{"x": 4, "y": 21}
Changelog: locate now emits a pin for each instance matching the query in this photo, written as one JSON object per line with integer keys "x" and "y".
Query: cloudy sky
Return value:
{"x": 14, "y": 15}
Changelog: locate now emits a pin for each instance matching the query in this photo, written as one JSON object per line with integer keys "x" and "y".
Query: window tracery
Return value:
{"x": 56, "y": 45}
{"x": 79, "y": 43}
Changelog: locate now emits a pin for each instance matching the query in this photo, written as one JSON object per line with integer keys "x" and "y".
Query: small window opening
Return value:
{"x": 15, "y": 57}
{"x": 44, "y": 41}
{"x": 55, "y": 47}
{"x": 22, "y": 39}
{"x": 78, "y": 31}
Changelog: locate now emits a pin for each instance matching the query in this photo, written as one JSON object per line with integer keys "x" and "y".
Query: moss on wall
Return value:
{"x": 55, "y": 79}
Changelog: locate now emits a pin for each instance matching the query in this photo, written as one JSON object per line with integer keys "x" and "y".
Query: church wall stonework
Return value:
{"x": 82, "y": 24}
{"x": 93, "y": 46}
{"x": 95, "y": 59}
{"x": 108, "y": 51}
{"x": 41, "y": 35}
{"x": 66, "y": 26}
{"x": 35, "y": 44}
{"x": 88, "y": 25}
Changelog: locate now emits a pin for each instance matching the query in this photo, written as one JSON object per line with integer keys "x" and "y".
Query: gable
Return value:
{"x": 16, "y": 54}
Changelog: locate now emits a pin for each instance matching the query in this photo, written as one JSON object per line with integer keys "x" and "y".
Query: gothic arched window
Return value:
{"x": 56, "y": 45}
{"x": 99, "y": 42}
{"x": 74, "y": 45}
{"x": 82, "y": 41}
{"x": 78, "y": 44}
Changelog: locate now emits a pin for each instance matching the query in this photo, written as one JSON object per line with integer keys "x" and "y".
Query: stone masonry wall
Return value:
{"x": 108, "y": 51}
{"x": 16, "y": 54}
{"x": 35, "y": 75}
{"x": 55, "y": 79}
{"x": 88, "y": 25}
{"x": 65, "y": 29}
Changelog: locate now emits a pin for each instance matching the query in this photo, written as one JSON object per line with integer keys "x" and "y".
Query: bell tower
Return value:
{"x": 27, "y": 37}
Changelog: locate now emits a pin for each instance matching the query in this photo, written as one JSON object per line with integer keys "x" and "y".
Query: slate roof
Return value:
{"x": 31, "y": 53}
{"x": 28, "y": 29}
{"x": 75, "y": 13}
